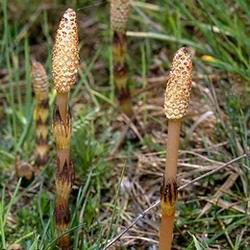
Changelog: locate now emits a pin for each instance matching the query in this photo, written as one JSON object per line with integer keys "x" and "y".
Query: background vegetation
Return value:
{"x": 115, "y": 185}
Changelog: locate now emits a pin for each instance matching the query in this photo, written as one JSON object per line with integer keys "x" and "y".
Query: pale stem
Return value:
{"x": 166, "y": 232}
{"x": 172, "y": 149}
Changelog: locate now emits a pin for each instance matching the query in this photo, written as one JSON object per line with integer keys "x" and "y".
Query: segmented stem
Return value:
{"x": 41, "y": 112}
{"x": 119, "y": 20}
{"x": 64, "y": 177}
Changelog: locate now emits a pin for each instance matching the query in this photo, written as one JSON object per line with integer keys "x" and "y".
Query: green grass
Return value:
{"x": 99, "y": 205}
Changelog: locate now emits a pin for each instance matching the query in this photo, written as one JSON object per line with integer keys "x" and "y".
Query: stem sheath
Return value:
{"x": 62, "y": 104}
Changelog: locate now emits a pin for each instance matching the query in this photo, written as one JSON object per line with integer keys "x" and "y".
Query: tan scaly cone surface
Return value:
{"x": 119, "y": 15}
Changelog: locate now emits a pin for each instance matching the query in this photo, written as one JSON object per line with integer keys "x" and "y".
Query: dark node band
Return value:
{"x": 169, "y": 191}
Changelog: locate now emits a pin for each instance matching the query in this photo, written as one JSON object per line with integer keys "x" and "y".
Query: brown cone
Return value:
{"x": 65, "y": 60}
{"x": 119, "y": 15}
{"x": 179, "y": 85}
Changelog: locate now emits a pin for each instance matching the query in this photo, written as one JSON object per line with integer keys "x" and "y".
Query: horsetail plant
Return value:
{"x": 177, "y": 98}
{"x": 65, "y": 64}
{"x": 119, "y": 22}
{"x": 41, "y": 113}
{"x": 24, "y": 170}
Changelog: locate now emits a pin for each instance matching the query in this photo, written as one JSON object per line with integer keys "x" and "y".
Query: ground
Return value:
{"x": 115, "y": 184}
